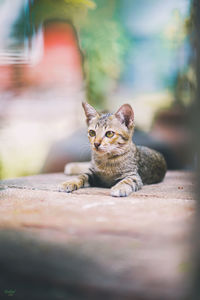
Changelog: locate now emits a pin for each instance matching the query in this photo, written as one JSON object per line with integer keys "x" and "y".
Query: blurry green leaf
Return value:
{"x": 105, "y": 44}
{"x": 88, "y": 3}
{"x": 100, "y": 32}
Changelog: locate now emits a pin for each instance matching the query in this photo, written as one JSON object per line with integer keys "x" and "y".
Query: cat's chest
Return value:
{"x": 103, "y": 179}
{"x": 107, "y": 172}
{"x": 107, "y": 175}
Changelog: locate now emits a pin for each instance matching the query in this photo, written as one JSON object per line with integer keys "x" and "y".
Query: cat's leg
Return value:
{"x": 126, "y": 186}
{"x": 75, "y": 168}
{"x": 74, "y": 183}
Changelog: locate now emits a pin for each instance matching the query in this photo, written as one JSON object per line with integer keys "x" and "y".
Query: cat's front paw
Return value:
{"x": 69, "y": 186}
{"x": 121, "y": 190}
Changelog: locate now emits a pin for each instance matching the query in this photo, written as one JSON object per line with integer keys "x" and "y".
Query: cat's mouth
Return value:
{"x": 99, "y": 150}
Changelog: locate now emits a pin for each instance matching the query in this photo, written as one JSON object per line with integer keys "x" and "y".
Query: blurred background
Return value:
{"x": 56, "y": 54}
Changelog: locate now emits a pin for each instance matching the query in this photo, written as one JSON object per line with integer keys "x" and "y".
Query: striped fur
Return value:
{"x": 116, "y": 162}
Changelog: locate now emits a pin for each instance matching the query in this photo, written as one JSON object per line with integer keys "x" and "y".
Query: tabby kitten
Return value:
{"x": 116, "y": 161}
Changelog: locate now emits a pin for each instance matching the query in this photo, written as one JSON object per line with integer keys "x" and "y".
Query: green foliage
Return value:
{"x": 104, "y": 43}
{"x": 102, "y": 39}
{"x": 73, "y": 11}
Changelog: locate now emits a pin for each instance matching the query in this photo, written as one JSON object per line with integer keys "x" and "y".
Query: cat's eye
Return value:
{"x": 92, "y": 133}
{"x": 109, "y": 134}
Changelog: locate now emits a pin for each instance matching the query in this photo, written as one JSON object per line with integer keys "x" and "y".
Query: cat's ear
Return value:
{"x": 125, "y": 115}
{"x": 90, "y": 112}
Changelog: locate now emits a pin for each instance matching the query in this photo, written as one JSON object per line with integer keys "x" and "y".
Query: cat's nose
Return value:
{"x": 97, "y": 145}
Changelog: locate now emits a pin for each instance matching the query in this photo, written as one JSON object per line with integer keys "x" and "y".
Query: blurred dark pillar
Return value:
{"x": 194, "y": 293}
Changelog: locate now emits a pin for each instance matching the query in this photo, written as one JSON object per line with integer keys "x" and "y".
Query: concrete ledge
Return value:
{"x": 89, "y": 245}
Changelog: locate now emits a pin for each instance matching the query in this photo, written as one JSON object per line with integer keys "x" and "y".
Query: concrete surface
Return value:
{"x": 112, "y": 248}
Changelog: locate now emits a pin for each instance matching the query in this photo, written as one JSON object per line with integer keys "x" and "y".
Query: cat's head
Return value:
{"x": 109, "y": 134}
